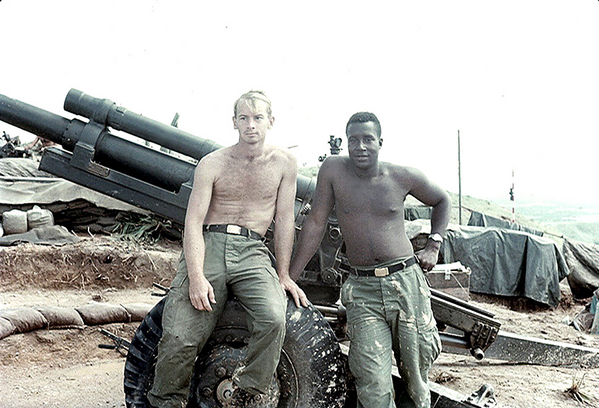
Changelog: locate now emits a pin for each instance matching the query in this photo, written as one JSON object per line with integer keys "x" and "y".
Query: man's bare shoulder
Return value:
{"x": 403, "y": 172}
{"x": 279, "y": 152}
{"x": 208, "y": 166}
{"x": 409, "y": 178}
{"x": 334, "y": 165}
{"x": 216, "y": 156}
{"x": 281, "y": 157}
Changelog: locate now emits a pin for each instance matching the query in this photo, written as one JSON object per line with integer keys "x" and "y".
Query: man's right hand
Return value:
{"x": 201, "y": 294}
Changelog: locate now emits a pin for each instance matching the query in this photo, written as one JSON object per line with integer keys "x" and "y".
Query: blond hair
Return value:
{"x": 251, "y": 97}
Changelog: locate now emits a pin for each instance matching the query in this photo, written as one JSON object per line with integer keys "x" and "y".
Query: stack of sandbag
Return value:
{"x": 26, "y": 319}
{"x": 19, "y": 222}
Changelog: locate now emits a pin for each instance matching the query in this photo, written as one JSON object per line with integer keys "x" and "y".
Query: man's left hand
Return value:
{"x": 427, "y": 258}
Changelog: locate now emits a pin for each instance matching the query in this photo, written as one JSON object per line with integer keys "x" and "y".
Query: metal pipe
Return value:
{"x": 32, "y": 119}
{"x": 107, "y": 113}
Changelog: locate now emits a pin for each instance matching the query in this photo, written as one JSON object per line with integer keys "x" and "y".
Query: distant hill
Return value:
{"x": 471, "y": 204}
{"x": 556, "y": 220}
{"x": 578, "y": 222}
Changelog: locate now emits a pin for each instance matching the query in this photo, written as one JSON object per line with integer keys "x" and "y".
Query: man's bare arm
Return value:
{"x": 285, "y": 231}
{"x": 314, "y": 226}
{"x": 201, "y": 292}
{"x": 284, "y": 220}
{"x": 431, "y": 194}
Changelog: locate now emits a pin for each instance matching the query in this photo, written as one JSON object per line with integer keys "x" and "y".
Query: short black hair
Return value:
{"x": 364, "y": 117}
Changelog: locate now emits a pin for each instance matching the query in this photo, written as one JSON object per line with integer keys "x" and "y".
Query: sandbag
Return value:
{"x": 49, "y": 235}
{"x": 14, "y": 222}
{"x": 583, "y": 321}
{"x": 102, "y": 313}
{"x": 38, "y": 217}
{"x": 24, "y": 319}
{"x": 137, "y": 311}
{"x": 6, "y": 328}
{"x": 61, "y": 317}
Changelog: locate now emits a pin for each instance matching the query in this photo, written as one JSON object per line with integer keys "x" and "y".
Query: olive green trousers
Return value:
{"x": 390, "y": 315}
{"x": 232, "y": 263}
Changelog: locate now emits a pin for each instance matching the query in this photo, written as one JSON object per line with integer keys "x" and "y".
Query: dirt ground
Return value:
{"x": 66, "y": 368}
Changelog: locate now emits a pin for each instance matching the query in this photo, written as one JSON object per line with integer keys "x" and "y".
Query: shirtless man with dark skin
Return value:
{"x": 237, "y": 192}
{"x": 386, "y": 296}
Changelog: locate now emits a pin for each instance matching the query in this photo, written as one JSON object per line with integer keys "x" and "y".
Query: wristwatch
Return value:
{"x": 436, "y": 237}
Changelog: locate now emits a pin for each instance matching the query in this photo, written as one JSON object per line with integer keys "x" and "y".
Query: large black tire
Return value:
{"x": 312, "y": 372}
{"x": 315, "y": 356}
{"x": 141, "y": 358}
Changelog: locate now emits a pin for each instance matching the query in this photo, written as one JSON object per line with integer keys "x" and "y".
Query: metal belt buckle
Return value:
{"x": 233, "y": 229}
{"x": 379, "y": 272}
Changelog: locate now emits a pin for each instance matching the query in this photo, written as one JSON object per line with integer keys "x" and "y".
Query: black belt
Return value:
{"x": 233, "y": 229}
{"x": 385, "y": 270}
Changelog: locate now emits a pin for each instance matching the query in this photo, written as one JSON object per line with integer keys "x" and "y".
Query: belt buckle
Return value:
{"x": 380, "y": 272}
{"x": 233, "y": 229}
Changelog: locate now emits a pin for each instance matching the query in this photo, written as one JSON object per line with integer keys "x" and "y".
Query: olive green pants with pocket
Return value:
{"x": 390, "y": 315}
{"x": 232, "y": 263}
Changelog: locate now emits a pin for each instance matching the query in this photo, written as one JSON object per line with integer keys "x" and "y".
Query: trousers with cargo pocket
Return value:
{"x": 390, "y": 317}
{"x": 232, "y": 263}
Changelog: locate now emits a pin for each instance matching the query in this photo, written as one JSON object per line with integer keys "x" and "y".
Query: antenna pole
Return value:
{"x": 512, "y": 198}
{"x": 459, "y": 181}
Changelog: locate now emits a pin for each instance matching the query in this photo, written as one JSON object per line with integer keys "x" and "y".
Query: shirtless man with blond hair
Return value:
{"x": 386, "y": 295}
{"x": 237, "y": 192}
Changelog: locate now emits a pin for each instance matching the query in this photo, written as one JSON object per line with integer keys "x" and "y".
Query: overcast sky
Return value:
{"x": 518, "y": 79}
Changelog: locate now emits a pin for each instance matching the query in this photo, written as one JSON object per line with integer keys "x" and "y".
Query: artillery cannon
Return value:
{"x": 313, "y": 370}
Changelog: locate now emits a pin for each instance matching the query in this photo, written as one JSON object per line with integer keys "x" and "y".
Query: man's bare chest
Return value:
{"x": 377, "y": 199}
{"x": 243, "y": 182}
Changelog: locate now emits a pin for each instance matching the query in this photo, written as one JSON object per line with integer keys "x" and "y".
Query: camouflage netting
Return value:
{"x": 583, "y": 262}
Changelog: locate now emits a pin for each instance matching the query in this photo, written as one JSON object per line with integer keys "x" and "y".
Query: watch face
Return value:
{"x": 436, "y": 237}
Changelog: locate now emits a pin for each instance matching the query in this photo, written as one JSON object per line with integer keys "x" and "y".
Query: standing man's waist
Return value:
{"x": 233, "y": 229}
{"x": 384, "y": 269}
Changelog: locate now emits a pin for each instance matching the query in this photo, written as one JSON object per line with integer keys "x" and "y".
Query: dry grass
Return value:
{"x": 575, "y": 391}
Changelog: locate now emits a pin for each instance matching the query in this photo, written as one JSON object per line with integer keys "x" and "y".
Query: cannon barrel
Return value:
{"x": 107, "y": 113}
{"x": 32, "y": 119}
{"x": 97, "y": 151}
{"x": 108, "y": 150}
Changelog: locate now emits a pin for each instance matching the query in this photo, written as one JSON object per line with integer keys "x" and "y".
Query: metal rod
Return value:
{"x": 459, "y": 181}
